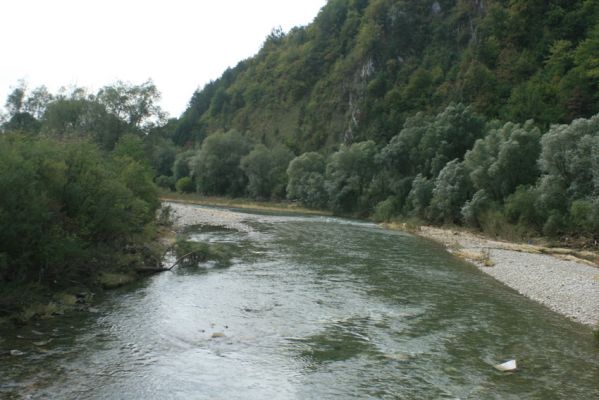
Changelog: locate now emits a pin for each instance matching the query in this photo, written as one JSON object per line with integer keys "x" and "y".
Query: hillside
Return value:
{"x": 362, "y": 67}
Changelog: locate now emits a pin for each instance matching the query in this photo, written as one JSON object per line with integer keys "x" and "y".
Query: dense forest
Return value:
{"x": 464, "y": 112}
{"x": 478, "y": 113}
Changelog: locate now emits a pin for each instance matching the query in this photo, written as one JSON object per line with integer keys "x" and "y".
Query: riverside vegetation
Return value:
{"x": 480, "y": 114}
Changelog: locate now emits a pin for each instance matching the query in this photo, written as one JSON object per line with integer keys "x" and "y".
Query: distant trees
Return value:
{"x": 216, "y": 167}
{"x": 505, "y": 159}
{"x": 266, "y": 171}
{"x": 137, "y": 105}
{"x": 349, "y": 173}
{"x": 306, "y": 180}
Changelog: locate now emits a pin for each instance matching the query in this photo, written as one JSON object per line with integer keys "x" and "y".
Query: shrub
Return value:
{"x": 385, "y": 210}
{"x": 166, "y": 182}
{"x": 185, "y": 185}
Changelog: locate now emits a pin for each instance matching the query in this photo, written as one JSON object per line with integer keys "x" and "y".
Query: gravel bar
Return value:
{"x": 568, "y": 287}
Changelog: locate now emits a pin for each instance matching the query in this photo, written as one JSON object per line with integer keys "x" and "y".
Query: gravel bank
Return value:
{"x": 567, "y": 285}
{"x": 188, "y": 215}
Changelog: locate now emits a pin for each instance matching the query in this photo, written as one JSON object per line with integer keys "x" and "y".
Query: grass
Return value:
{"x": 113, "y": 280}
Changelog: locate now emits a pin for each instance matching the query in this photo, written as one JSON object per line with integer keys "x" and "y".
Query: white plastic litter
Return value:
{"x": 507, "y": 366}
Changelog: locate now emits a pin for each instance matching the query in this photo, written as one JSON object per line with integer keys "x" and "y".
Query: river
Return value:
{"x": 312, "y": 308}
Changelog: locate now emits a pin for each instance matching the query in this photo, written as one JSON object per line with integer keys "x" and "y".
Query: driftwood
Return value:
{"x": 182, "y": 258}
{"x": 159, "y": 268}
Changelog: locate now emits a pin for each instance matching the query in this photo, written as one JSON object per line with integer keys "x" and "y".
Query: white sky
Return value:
{"x": 180, "y": 44}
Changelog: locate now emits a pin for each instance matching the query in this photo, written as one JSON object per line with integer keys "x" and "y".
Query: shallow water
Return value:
{"x": 313, "y": 308}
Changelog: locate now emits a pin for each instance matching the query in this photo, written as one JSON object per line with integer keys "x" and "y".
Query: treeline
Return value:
{"x": 77, "y": 192}
{"x": 454, "y": 167}
{"x": 362, "y": 68}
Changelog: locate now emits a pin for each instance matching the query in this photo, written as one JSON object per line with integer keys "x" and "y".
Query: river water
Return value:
{"x": 312, "y": 308}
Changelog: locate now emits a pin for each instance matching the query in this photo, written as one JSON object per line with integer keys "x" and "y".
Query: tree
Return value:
{"x": 306, "y": 180}
{"x": 82, "y": 118}
{"x": 505, "y": 159}
{"x": 16, "y": 99}
{"x": 67, "y": 211}
{"x": 37, "y": 102}
{"x": 216, "y": 168}
{"x": 137, "y": 105}
{"x": 349, "y": 173}
{"x": 420, "y": 197}
{"x": 266, "y": 171}
{"x": 569, "y": 156}
{"x": 452, "y": 189}
{"x": 181, "y": 166}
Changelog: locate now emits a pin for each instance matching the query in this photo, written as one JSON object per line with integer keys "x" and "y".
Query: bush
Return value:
{"x": 166, "y": 182}
{"x": 473, "y": 210}
{"x": 185, "y": 185}
{"x": 306, "y": 180}
{"x": 198, "y": 252}
{"x": 555, "y": 225}
{"x": 68, "y": 211}
{"x": 585, "y": 216}
{"x": 522, "y": 208}
{"x": 385, "y": 210}
{"x": 216, "y": 168}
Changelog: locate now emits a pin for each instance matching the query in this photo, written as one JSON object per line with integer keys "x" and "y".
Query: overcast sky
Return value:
{"x": 180, "y": 44}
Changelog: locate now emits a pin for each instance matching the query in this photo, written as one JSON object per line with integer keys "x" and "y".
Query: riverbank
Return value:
{"x": 565, "y": 280}
{"x": 286, "y": 207}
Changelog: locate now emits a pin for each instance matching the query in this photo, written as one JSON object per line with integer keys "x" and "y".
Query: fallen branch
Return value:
{"x": 181, "y": 259}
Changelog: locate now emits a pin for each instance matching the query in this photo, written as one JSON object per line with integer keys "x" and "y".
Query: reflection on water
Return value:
{"x": 312, "y": 308}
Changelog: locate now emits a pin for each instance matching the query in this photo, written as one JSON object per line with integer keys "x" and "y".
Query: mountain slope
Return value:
{"x": 363, "y": 66}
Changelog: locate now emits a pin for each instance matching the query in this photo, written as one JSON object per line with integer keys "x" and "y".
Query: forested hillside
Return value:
{"x": 462, "y": 112}
{"x": 363, "y": 67}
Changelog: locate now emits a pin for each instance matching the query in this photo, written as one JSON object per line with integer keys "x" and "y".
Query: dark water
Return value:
{"x": 314, "y": 308}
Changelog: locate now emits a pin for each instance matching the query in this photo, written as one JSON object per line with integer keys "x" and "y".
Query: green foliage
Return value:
{"x": 185, "y": 185}
{"x": 426, "y": 144}
{"x": 522, "y": 207}
{"x": 367, "y": 66}
{"x": 585, "y": 216}
{"x": 216, "y": 168}
{"x": 265, "y": 170}
{"x": 182, "y": 167}
{"x": 130, "y": 146}
{"x": 452, "y": 189}
{"x": 194, "y": 253}
{"x": 474, "y": 210}
{"x": 166, "y": 182}
{"x": 67, "y": 211}
{"x": 76, "y": 118}
{"x": 569, "y": 155}
{"x": 306, "y": 180}
{"x": 420, "y": 196}
{"x": 349, "y": 172}
{"x": 134, "y": 104}
{"x": 505, "y": 159}
{"x": 385, "y": 210}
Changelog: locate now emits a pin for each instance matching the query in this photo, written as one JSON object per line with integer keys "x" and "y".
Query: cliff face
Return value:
{"x": 363, "y": 66}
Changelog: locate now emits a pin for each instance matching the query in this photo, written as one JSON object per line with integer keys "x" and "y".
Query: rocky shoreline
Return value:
{"x": 565, "y": 283}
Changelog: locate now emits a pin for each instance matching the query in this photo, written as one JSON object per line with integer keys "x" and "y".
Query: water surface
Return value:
{"x": 313, "y": 308}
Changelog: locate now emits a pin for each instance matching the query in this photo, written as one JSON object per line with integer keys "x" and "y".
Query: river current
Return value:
{"x": 312, "y": 308}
